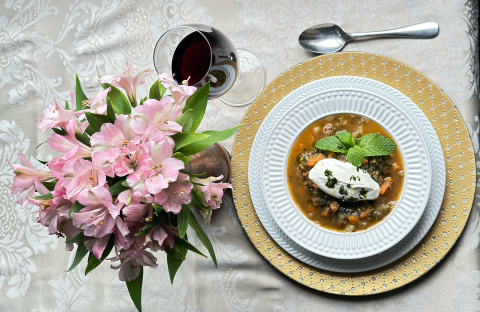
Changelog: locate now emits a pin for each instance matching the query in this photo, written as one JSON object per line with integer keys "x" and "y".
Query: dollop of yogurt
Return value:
{"x": 343, "y": 180}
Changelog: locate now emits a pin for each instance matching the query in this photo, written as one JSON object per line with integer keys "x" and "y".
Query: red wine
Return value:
{"x": 200, "y": 61}
{"x": 195, "y": 60}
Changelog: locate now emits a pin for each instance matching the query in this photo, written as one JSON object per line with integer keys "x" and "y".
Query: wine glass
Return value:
{"x": 200, "y": 53}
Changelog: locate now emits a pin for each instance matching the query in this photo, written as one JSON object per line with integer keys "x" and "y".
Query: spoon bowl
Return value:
{"x": 329, "y": 38}
{"x": 324, "y": 38}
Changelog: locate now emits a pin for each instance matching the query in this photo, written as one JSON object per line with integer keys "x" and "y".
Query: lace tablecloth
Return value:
{"x": 44, "y": 43}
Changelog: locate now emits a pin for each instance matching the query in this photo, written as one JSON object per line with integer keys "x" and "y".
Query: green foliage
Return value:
{"x": 81, "y": 253}
{"x": 157, "y": 90}
{"x": 94, "y": 262}
{"x": 135, "y": 290}
{"x": 79, "y": 95}
{"x": 75, "y": 208}
{"x": 213, "y": 137}
{"x": 198, "y": 103}
{"x": 195, "y": 225}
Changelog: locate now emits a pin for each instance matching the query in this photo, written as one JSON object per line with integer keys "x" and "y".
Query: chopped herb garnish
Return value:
{"x": 349, "y": 185}
{"x": 363, "y": 193}
{"x": 353, "y": 178}
{"x": 343, "y": 190}
{"x": 331, "y": 180}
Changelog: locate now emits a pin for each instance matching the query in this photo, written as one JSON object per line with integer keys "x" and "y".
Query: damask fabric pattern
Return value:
{"x": 43, "y": 43}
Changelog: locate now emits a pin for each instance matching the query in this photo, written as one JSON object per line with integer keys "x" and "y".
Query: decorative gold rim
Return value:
{"x": 458, "y": 152}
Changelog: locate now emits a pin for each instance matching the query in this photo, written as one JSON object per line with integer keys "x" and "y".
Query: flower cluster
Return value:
{"x": 119, "y": 182}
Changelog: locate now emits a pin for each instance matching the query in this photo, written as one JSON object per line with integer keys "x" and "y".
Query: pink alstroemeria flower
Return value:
{"x": 134, "y": 210}
{"x": 127, "y": 81}
{"x": 212, "y": 192}
{"x": 98, "y": 104}
{"x": 98, "y": 217}
{"x": 81, "y": 175}
{"x": 24, "y": 180}
{"x": 97, "y": 245}
{"x": 155, "y": 119}
{"x": 117, "y": 135}
{"x": 175, "y": 195}
{"x": 47, "y": 214}
{"x": 159, "y": 170}
{"x": 180, "y": 93}
{"x": 69, "y": 145}
{"x": 132, "y": 261}
{"x": 56, "y": 116}
{"x": 161, "y": 234}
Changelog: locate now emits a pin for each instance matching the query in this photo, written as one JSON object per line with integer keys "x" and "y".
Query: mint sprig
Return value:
{"x": 371, "y": 144}
{"x": 376, "y": 145}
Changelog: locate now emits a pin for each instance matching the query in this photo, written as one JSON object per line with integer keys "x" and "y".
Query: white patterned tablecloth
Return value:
{"x": 43, "y": 43}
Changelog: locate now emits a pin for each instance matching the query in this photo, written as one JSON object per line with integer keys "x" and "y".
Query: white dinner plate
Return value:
{"x": 382, "y": 100}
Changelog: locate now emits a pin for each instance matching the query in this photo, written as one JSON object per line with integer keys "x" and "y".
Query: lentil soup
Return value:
{"x": 327, "y": 211}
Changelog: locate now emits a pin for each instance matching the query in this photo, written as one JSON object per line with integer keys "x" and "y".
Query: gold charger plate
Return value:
{"x": 459, "y": 161}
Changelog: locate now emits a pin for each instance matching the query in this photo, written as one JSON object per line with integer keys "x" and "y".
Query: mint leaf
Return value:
{"x": 346, "y": 138}
{"x": 374, "y": 144}
{"x": 333, "y": 144}
{"x": 355, "y": 156}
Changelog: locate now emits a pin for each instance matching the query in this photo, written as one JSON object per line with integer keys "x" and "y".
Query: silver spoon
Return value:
{"x": 329, "y": 38}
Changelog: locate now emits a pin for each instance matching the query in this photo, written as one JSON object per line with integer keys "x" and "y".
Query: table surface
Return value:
{"x": 44, "y": 43}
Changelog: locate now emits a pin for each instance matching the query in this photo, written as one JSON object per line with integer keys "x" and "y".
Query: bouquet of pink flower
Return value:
{"x": 120, "y": 179}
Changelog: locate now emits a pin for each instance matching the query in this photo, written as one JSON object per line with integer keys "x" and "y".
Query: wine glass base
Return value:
{"x": 250, "y": 81}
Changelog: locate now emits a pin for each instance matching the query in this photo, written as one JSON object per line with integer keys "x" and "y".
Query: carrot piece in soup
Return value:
{"x": 386, "y": 185}
{"x": 354, "y": 219}
{"x": 313, "y": 161}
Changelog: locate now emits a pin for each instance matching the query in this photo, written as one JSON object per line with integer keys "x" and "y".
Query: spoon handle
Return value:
{"x": 423, "y": 30}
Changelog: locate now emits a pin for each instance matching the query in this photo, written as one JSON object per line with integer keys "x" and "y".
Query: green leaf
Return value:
{"x": 66, "y": 105}
{"x": 83, "y": 138}
{"x": 110, "y": 111}
{"x": 198, "y": 103}
{"x": 79, "y": 95}
{"x": 173, "y": 266}
{"x": 157, "y": 90}
{"x": 181, "y": 157}
{"x": 333, "y": 144}
{"x": 119, "y": 101}
{"x": 176, "y": 252}
{"x": 185, "y": 243}
{"x": 118, "y": 187}
{"x": 374, "y": 144}
{"x": 143, "y": 100}
{"x": 346, "y": 138}
{"x": 59, "y": 131}
{"x": 197, "y": 202}
{"x": 46, "y": 196}
{"x": 356, "y": 156}
{"x": 135, "y": 290}
{"x": 75, "y": 208}
{"x": 81, "y": 252}
{"x": 214, "y": 136}
{"x": 157, "y": 208}
{"x": 96, "y": 121}
{"x": 104, "y": 85}
{"x": 182, "y": 219}
{"x": 185, "y": 120}
{"x": 192, "y": 175}
{"x": 94, "y": 262}
{"x": 76, "y": 239}
{"x": 184, "y": 139}
{"x": 202, "y": 236}
{"x": 50, "y": 185}
{"x": 40, "y": 145}
{"x": 89, "y": 130}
